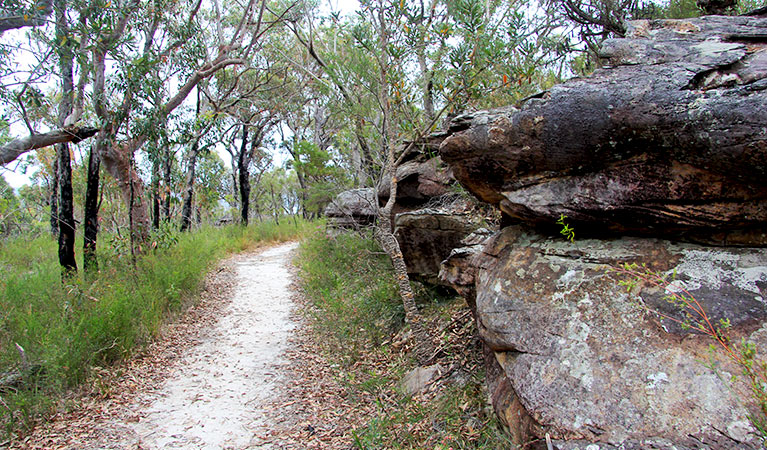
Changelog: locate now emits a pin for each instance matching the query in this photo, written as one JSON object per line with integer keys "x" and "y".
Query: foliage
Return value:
{"x": 67, "y": 330}
{"x": 350, "y": 281}
{"x": 567, "y": 231}
{"x": 695, "y": 318}
{"x": 10, "y": 209}
{"x": 357, "y": 315}
{"x": 325, "y": 178}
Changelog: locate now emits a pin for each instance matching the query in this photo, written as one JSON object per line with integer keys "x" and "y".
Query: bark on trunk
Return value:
{"x": 118, "y": 158}
{"x": 243, "y": 172}
{"x": 424, "y": 346}
{"x": 156, "y": 194}
{"x": 167, "y": 165}
{"x": 74, "y": 134}
{"x": 66, "y": 214}
{"x": 118, "y": 162}
{"x": 368, "y": 165}
{"x": 385, "y": 232}
{"x": 303, "y": 196}
{"x": 275, "y": 206}
{"x": 91, "y": 214}
{"x": 55, "y": 197}
{"x": 66, "y": 204}
{"x": 186, "y": 211}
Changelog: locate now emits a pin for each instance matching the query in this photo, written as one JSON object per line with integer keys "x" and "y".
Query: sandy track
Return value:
{"x": 215, "y": 396}
{"x": 210, "y": 382}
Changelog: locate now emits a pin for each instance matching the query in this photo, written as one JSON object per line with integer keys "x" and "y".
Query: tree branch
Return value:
{"x": 18, "y": 147}
{"x": 43, "y": 9}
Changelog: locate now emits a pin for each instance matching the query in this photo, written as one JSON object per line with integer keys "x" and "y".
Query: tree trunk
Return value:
{"x": 66, "y": 204}
{"x": 424, "y": 346}
{"x": 55, "y": 197}
{"x": 275, "y": 208}
{"x": 74, "y": 134}
{"x": 66, "y": 214}
{"x": 186, "y": 211}
{"x": 242, "y": 170}
{"x": 155, "y": 194}
{"x": 368, "y": 165}
{"x": 304, "y": 199}
{"x": 428, "y": 87}
{"x": 167, "y": 165}
{"x": 91, "y": 214}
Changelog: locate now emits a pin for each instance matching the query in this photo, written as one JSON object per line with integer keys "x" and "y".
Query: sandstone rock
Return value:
{"x": 353, "y": 208}
{"x": 420, "y": 378}
{"x": 458, "y": 269}
{"x": 419, "y": 181}
{"x": 670, "y": 139}
{"x": 427, "y": 236}
{"x": 587, "y": 363}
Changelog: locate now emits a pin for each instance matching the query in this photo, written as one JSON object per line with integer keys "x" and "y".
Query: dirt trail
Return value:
{"x": 213, "y": 398}
{"x": 239, "y": 370}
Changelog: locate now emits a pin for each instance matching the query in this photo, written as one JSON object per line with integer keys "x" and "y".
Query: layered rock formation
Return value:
{"x": 589, "y": 361}
{"x": 353, "y": 209}
{"x": 668, "y": 142}
{"x": 426, "y": 237}
{"x": 430, "y": 218}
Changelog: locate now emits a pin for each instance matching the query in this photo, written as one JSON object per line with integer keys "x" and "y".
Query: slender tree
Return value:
{"x": 66, "y": 203}
{"x": 91, "y": 214}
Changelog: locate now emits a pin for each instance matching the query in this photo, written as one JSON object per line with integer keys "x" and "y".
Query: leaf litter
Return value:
{"x": 312, "y": 402}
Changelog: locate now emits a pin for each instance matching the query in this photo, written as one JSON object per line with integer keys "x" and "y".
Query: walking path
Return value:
{"x": 214, "y": 398}
{"x": 207, "y": 383}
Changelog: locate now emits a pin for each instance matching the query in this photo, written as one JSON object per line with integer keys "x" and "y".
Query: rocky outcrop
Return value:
{"x": 589, "y": 362}
{"x": 652, "y": 160}
{"x": 423, "y": 179}
{"x": 459, "y": 269}
{"x": 419, "y": 181}
{"x": 352, "y": 209}
{"x": 426, "y": 237}
{"x": 669, "y": 139}
{"x": 429, "y": 216}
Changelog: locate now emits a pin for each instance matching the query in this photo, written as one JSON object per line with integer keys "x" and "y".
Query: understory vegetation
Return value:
{"x": 53, "y": 334}
{"x": 357, "y": 314}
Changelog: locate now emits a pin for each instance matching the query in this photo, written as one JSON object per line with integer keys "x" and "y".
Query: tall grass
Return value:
{"x": 68, "y": 329}
{"x": 357, "y": 314}
{"x": 350, "y": 282}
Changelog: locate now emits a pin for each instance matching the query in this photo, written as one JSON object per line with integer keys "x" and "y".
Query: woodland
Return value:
{"x": 119, "y": 114}
{"x": 140, "y": 125}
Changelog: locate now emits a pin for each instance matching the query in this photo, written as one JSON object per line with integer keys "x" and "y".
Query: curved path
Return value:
{"x": 215, "y": 396}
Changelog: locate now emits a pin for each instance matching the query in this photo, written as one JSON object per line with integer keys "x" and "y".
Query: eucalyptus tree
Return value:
{"x": 201, "y": 125}
{"x": 65, "y": 53}
{"x": 140, "y": 52}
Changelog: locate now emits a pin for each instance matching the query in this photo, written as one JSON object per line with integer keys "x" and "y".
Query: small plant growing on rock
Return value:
{"x": 695, "y": 318}
{"x": 567, "y": 231}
